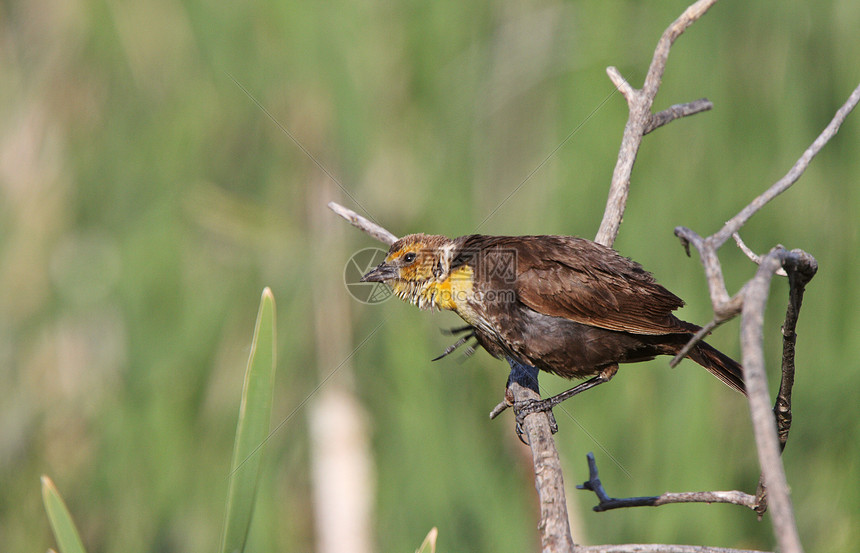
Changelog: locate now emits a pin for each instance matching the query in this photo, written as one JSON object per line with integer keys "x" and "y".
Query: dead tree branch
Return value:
{"x": 801, "y": 267}
{"x": 754, "y": 257}
{"x": 363, "y": 224}
{"x": 641, "y": 121}
{"x": 735, "y": 223}
{"x": 607, "y": 503}
{"x": 725, "y": 307}
{"x": 676, "y": 112}
{"x": 554, "y": 523}
{"x": 657, "y": 548}
{"x": 771, "y": 432}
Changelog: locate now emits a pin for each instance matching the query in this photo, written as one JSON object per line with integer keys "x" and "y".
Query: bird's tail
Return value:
{"x": 720, "y": 365}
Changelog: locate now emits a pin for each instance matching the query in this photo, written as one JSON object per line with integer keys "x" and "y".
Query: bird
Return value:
{"x": 560, "y": 304}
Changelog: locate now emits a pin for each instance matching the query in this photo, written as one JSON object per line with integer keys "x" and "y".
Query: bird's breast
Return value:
{"x": 455, "y": 291}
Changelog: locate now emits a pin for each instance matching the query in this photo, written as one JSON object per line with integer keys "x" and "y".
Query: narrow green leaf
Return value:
{"x": 252, "y": 429}
{"x": 68, "y": 539}
{"x": 429, "y": 544}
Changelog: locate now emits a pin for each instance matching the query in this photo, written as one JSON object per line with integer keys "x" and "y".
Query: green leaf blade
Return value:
{"x": 65, "y": 532}
{"x": 252, "y": 429}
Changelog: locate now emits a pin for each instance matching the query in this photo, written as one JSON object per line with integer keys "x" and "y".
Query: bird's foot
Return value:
{"x": 522, "y": 409}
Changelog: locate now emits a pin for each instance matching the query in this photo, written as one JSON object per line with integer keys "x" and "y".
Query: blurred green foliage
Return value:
{"x": 145, "y": 200}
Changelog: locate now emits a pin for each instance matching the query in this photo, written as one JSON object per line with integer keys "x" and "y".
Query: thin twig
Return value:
{"x": 801, "y": 267}
{"x": 607, "y": 503}
{"x": 754, "y": 257}
{"x": 697, "y": 337}
{"x": 657, "y": 548}
{"x": 676, "y": 112}
{"x": 724, "y": 307}
{"x": 363, "y": 224}
{"x": 640, "y": 120}
{"x": 621, "y": 84}
{"x": 734, "y": 224}
{"x": 500, "y": 408}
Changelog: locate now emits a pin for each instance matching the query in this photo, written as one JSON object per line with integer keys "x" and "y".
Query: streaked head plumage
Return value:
{"x": 413, "y": 264}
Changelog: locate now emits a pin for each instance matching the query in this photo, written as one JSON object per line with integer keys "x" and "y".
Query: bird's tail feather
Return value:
{"x": 720, "y": 365}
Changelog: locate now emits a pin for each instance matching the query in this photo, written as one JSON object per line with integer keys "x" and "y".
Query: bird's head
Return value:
{"x": 414, "y": 267}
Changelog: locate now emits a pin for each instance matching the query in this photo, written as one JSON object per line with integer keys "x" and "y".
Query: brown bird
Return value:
{"x": 561, "y": 304}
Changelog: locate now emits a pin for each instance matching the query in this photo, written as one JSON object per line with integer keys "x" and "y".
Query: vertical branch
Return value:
{"x": 641, "y": 121}
{"x": 801, "y": 267}
{"x": 771, "y": 432}
{"x": 764, "y": 424}
{"x": 554, "y": 524}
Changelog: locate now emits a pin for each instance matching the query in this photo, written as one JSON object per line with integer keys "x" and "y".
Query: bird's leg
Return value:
{"x": 530, "y": 406}
{"x": 526, "y": 376}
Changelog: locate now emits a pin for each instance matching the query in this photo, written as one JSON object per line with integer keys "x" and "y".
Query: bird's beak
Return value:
{"x": 381, "y": 273}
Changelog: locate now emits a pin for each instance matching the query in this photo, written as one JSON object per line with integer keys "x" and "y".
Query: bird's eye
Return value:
{"x": 409, "y": 257}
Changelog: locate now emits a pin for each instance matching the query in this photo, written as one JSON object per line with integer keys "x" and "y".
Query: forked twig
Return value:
{"x": 641, "y": 121}
{"x": 607, "y": 503}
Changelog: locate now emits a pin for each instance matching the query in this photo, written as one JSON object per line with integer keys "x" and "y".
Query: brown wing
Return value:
{"x": 585, "y": 282}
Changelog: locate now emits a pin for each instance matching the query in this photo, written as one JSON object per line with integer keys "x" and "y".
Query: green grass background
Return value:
{"x": 145, "y": 200}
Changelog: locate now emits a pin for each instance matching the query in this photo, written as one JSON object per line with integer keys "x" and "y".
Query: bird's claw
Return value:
{"x": 529, "y": 406}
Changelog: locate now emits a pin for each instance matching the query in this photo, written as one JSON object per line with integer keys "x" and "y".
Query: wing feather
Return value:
{"x": 582, "y": 281}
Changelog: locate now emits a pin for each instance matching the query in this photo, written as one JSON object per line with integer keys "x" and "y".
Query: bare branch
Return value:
{"x": 554, "y": 523}
{"x": 640, "y": 121}
{"x": 697, "y": 337}
{"x": 764, "y": 424}
{"x": 676, "y": 112}
{"x": 801, "y": 267}
{"x": 607, "y": 503}
{"x": 780, "y": 186}
{"x": 621, "y": 84}
{"x": 771, "y": 432}
{"x": 499, "y": 409}
{"x": 363, "y": 223}
{"x": 754, "y": 257}
{"x": 724, "y": 307}
{"x": 686, "y": 236}
{"x": 670, "y": 35}
{"x": 657, "y": 548}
